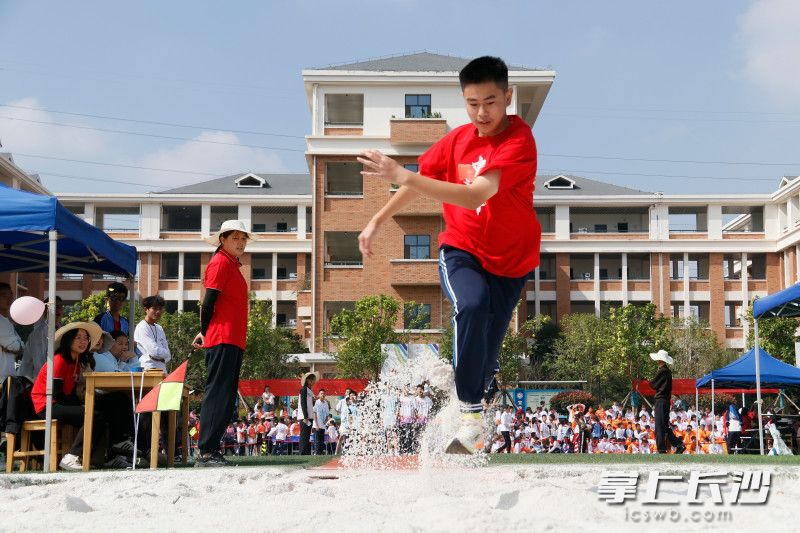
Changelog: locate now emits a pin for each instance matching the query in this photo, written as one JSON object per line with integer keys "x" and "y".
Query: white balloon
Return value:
{"x": 27, "y": 310}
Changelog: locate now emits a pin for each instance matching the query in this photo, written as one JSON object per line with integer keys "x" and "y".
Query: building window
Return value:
{"x": 418, "y": 105}
{"x": 261, "y": 266}
{"x": 341, "y": 249}
{"x": 417, "y": 247}
{"x": 169, "y": 266}
{"x": 191, "y": 265}
{"x": 344, "y": 179}
{"x": 416, "y": 316}
{"x": 221, "y": 213}
{"x": 344, "y": 109}
{"x": 171, "y": 306}
{"x": 117, "y": 218}
{"x": 273, "y": 219}
{"x": 180, "y": 218}
{"x": 413, "y": 167}
{"x": 601, "y": 228}
{"x": 756, "y": 266}
{"x": 622, "y": 227}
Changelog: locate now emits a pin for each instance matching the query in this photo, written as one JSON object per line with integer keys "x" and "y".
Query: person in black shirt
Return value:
{"x": 662, "y": 384}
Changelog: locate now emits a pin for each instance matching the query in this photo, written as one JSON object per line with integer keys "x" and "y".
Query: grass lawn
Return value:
{"x": 310, "y": 461}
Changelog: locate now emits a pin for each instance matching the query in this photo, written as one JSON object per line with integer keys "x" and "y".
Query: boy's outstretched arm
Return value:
{"x": 469, "y": 196}
{"x": 399, "y": 200}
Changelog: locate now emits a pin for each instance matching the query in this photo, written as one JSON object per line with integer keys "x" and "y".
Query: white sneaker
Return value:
{"x": 70, "y": 462}
{"x": 468, "y": 435}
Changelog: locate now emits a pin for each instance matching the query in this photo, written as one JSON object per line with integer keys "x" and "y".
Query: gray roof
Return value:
{"x": 417, "y": 62}
{"x": 276, "y": 185}
{"x": 583, "y": 187}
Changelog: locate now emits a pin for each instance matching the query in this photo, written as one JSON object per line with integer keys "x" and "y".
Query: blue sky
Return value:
{"x": 673, "y": 96}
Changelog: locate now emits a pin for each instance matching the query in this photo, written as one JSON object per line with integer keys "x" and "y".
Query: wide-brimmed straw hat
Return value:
{"x": 92, "y": 328}
{"x": 229, "y": 225}
{"x": 306, "y": 376}
{"x": 661, "y": 355}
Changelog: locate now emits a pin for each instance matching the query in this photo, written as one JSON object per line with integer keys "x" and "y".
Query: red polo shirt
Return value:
{"x": 503, "y": 234}
{"x": 229, "y": 322}
{"x": 67, "y": 371}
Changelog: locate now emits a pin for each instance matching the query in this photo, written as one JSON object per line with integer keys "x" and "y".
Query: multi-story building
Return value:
{"x": 399, "y": 105}
{"x": 697, "y": 255}
{"x": 603, "y": 245}
{"x": 167, "y": 229}
{"x": 23, "y": 283}
{"x": 692, "y": 255}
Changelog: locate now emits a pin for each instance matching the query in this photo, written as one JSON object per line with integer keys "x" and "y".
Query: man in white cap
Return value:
{"x": 662, "y": 384}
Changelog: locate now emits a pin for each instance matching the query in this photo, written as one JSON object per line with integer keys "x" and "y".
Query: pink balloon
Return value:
{"x": 27, "y": 310}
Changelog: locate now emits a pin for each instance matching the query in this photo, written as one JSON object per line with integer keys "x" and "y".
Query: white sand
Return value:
{"x": 249, "y": 499}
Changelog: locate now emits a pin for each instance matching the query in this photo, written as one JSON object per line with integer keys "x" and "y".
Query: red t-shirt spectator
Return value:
{"x": 229, "y": 322}
{"x": 67, "y": 371}
{"x": 503, "y": 234}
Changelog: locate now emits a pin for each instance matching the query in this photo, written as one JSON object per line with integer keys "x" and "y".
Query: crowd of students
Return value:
{"x": 616, "y": 430}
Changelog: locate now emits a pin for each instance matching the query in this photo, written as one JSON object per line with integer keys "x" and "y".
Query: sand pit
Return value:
{"x": 553, "y": 497}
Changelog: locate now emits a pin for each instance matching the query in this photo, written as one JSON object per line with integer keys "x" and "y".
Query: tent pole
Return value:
{"x": 51, "y": 330}
{"x": 758, "y": 389}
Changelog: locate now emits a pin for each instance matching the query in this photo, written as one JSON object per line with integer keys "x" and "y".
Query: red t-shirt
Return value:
{"x": 67, "y": 371}
{"x": 229, "y": 322}
{"x": 503, "y": 234}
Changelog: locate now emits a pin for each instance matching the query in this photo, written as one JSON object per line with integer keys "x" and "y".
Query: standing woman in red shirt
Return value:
{"x": 223, "y": 330}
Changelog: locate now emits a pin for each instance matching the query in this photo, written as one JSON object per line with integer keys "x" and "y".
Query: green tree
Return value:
{"x": 576, "y": 354}
{"x": 541, "y": 333}
{"x": 695, "y": 349}
{"x": 635, "y": 332}
{"x": 268, "y": 349}
{"x": 512, "y": 354}
{"x": 363, "y": 330}
{"x": 180, "y": 329}
{"x": 95, "y": 304}
{"x": 776, "y": 335}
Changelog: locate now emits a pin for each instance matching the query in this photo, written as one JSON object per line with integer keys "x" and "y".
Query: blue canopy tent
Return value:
{"x": 741, "y": 373}
{"x": 785, "y": 303}
{"x": 38, "y": 234}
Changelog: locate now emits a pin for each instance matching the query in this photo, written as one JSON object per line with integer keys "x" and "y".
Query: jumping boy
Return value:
{"x": 483, "y": 173}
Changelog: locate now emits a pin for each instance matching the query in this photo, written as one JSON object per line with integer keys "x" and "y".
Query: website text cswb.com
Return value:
{"x": 677, "y": 515}
{"x": 746, "y": 488}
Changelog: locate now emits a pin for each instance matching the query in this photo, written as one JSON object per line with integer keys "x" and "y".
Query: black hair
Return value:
{"x": 65, "y": 348}
{"x": 153, "y": 301}
{"x": 223, "y": 235}
{"x": 116, "y": 287}
{"x": 483, "y": 69}
{"x": 116, "y": 334}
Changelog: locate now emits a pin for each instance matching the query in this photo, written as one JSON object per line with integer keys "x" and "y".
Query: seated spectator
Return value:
{"x": 72, "y": 357}
{"x": 112, "y": 354}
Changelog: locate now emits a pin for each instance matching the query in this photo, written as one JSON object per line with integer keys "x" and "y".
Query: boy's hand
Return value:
{"x": 365, "y": 238}
{"x": 378, "y": 165}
